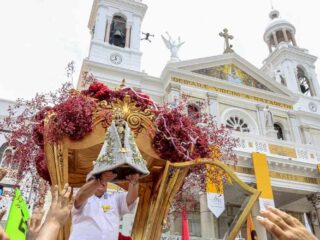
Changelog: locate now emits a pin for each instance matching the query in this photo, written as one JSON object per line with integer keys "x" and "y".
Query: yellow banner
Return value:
{"x": 261, "y": 170}
{"x": 217, "y": 174}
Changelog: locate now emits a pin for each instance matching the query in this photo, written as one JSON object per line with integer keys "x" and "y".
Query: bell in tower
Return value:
{"x": 118, "y": 32}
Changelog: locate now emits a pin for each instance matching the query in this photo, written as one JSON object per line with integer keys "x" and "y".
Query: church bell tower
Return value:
{"x": 287, "y": 63}
{"x": 115, "y": 33}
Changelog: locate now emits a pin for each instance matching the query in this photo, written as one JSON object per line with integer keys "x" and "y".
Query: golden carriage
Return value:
{"x": 70, "y": 161}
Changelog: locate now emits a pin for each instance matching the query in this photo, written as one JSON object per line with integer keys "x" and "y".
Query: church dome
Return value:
{"x": 278, "y": 30}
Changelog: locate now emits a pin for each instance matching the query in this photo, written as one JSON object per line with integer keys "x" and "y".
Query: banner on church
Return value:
{"x": 261, "y": 170}
{"x": 215, "y": 196}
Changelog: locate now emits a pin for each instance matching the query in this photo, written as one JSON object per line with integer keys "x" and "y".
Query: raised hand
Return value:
{"x": 133, "y": 178}
{"x": 61, "y": 205}
{"x": 34, "y": 224}
{"x": 283, "y": 226}
{"x": 3, "y": 173}
{"x": 133, "y": 188}
{"x": 2, "y": 213}
{"x": 58, "y": 213}
{"x": 3, "y": 235}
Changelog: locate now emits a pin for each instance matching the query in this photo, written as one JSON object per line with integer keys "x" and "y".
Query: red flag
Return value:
{"x": 251, "y": 232}
{"x": 122, "y": 237}
{"x": 185, "y": 228}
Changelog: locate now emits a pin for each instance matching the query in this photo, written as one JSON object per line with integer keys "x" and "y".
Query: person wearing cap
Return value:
{"x": 96, "y": 214}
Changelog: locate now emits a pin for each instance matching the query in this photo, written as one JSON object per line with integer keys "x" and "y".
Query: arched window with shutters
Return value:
{"x": 238, "y": 124}
{"x": 4, "y": 152}
{"x": 194, "y": 112}
{"x": 239, "y": 120}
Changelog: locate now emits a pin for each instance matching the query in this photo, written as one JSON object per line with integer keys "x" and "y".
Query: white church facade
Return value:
{"x": 274, "y": 110}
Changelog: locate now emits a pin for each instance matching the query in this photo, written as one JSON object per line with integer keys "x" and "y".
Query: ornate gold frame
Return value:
{"x": 70, "y": 161}
{"x": 170, "y": 185}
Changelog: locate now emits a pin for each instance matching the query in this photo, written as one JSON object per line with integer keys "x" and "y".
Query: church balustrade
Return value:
{"x": 278, "y": 148}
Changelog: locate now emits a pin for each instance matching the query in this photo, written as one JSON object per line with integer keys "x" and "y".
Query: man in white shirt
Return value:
{"x": 96, "y": 214}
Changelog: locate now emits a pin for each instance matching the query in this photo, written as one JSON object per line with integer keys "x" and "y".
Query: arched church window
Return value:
{"x": 279, "y": 131}
{"x": 304, "y": 82}
{"x": 5, "y": 151}
{"x": 118, "y": 31}
{"x": 194, "y": 112}
{"x": 237, "y": 124}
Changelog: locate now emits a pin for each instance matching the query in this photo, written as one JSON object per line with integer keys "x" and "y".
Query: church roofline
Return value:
{"x": 211, "y": 81}
{"x": 2, "y": 100}
{"x": 293, "y": 51}
{"x": 224, "y": 59}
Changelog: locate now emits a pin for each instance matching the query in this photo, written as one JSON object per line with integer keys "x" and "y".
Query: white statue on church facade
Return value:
{"x": 173, "y": 46}
{"x": 268, "y": 118}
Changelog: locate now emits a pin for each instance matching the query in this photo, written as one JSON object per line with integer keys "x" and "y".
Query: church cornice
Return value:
{"x": 201, "y": 63}
{"x": 206, "y": 83}
{"x": 281, "y": 164}
{"x": 143, "y": 79}
{"x": 289, "y": 53}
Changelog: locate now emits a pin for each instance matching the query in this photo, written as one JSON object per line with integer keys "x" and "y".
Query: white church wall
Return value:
{"x": 99, "y": 53}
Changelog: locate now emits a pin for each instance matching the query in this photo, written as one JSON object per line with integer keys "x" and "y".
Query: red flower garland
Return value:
{"x": 73, "y": 118}
{"x": 101, "y": 92}
{"x": 177, "y": 139}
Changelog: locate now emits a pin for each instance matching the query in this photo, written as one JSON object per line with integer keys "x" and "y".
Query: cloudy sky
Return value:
{"x": 39, "y": 37}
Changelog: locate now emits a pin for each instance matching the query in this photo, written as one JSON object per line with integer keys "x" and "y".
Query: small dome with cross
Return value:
{"x": 279, "y": 30}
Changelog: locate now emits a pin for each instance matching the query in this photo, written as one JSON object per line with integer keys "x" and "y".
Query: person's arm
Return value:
{"x": 88, "y": 189}
{"x": 133, "y": 189}
{"x": 58, "y": 214}
{"x": 3, "y": 173}
{"x": 34, "y": 224}
{"x": 3, "y": 235}
{"x": 283, "y": 226}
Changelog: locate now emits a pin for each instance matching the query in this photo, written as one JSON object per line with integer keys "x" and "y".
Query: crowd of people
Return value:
{"x": 96, "y": 213}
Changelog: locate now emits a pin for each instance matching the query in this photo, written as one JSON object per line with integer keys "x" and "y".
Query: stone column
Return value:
{"x": 307, "y": 134}
{"x": 108, "y": 30}
{"x": 100, "y": 26}
{"x": 269, "y": 46}
{"x": 275, "y": 38}
{"x": 214, "y": 105}
{"x": 314, "y": 82}
{"x": 293, "y": 39}
{"x": 173, "y": 93}
{"x": 284, "y": 31}
{"x": 294, "y": 127}
{"x": 128, "y": 37}
{"x": 209, "y": 223}
{"x": 315, "y": 200}
{"x": 135, "y": 33}
{"x": 261, "y": 119}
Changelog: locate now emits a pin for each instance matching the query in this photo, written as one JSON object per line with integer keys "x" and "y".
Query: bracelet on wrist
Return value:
{"x": 134, "y": 183}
